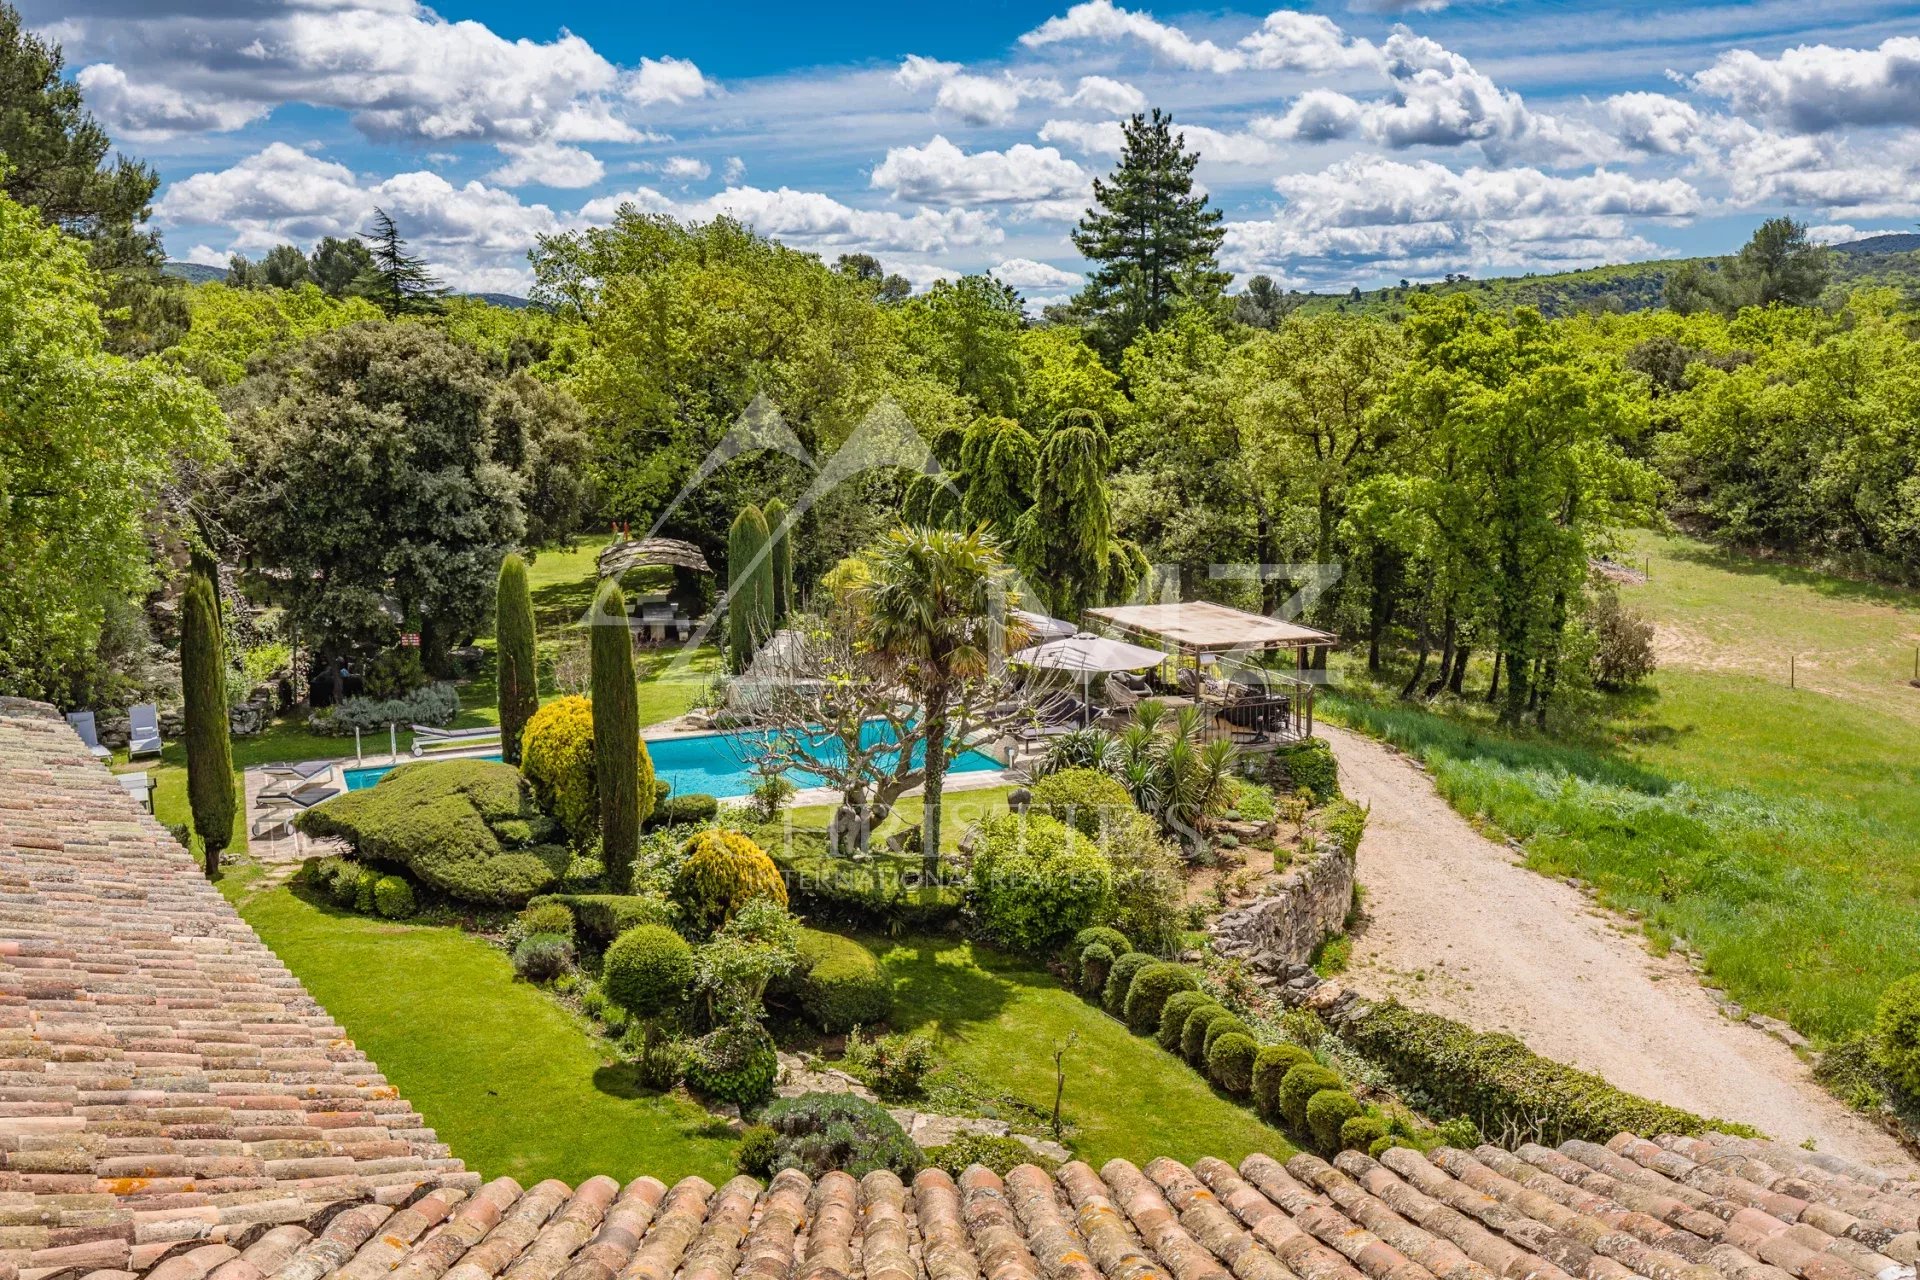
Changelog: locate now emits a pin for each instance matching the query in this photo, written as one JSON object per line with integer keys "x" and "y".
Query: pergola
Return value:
{"x": 1201, "y": 628}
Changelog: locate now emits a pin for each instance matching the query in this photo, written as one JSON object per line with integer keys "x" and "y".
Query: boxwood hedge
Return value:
{"x": 1113, "y": 998}
{"x": 839, "y": 983}
{"x": 1505, "y": 1087}
{"x": 1152, "y": 987}
{"x": 1174, "y": 1014}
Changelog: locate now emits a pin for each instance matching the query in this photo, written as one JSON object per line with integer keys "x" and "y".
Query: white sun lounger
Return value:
{"x": 143, "y": 737}
{"x": 83, "y": 724}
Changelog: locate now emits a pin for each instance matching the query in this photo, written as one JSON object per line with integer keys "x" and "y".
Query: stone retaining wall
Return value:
{"x": 1274, "y": 934}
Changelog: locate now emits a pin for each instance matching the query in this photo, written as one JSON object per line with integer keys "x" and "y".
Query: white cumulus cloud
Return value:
{"x": 1025, "y": 273}
{"x": 547, "y": 164}
{"x": 1815, "y": 88}
{"x": 941, "y": 173}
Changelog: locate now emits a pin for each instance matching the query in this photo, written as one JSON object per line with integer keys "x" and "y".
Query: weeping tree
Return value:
{"x": 998, "y": 458}
{"x": 1065, "y": 539}
{"x": 519, "y": 677}
{"x": 781, "y": 556}
{"x": 750, "y": 600}
{"x": 203, "y": 681}
{"x": 618, "y": 758}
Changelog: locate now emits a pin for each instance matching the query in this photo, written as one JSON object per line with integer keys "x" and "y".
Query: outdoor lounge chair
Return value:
{"x": 1122, "y": 697}
{"x": 143, "y": 730}
{"x": 82, "y": 722}
{"x": 286, "y": 780}
{"x": 282, "y": 810}
{"x": 428, "y": 740}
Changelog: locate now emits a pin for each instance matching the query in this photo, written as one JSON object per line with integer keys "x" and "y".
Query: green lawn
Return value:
{"x": 509, "y": 1080}
{"x": 998, "y": 1019}
{"x": 1774, "y": 828}
{"x": 961, "y": 810}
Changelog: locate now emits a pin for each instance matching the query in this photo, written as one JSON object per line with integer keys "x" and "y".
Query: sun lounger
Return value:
{"x": 286, "y": 780}
{"x": 280, "y": 811}
{"x": 428, "y": 740}
{"x": 143, "y": 733}
{"x": 305, "y": 770}
{"x": 83, "y": 724}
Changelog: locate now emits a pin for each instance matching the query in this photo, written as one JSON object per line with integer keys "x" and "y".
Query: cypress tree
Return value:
{"x": 519, "y": 677}
{"x": 782, "y": 560}
{"x": 203, "y": 681}
{"x": 616, "y": 736}
{"x": 749, "y": 586}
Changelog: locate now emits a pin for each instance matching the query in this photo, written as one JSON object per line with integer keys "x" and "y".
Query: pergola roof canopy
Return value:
{"x": 1201, "y": 626}
{"x": 618, "y": 557}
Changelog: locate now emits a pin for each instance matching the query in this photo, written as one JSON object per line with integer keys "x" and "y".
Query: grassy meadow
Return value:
{"x": 1774, "y": 829}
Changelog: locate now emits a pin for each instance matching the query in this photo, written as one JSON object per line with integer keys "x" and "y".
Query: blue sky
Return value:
{"x": 1353, "y": 142}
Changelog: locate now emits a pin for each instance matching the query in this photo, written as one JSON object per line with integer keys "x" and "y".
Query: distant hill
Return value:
{"x": 1892, "y": 259}
{"x": 194, "y": 273}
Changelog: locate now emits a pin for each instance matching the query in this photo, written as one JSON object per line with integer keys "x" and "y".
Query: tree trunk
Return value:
{"x": 1420, "y": 665}
{"x": 1448, "y": 636}
{"x": 1493, "y": 685}
{"x": 1519, "y": 688}
{"x": 1379, "y": 607}
{"x": 932, "y": 784}
{"x": 1458, "y": 677}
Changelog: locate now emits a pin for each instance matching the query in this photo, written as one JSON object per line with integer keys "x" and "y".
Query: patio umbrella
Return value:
{"x": 1041, "y": 628}
{"x": 1087, "y": 653}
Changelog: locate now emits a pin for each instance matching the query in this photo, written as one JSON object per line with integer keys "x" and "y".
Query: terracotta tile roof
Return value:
{"x": 173, "y": 1104}
{"x": 163, "y": 1078}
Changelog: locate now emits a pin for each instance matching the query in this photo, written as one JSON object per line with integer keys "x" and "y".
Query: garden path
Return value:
{"x": 1459, "y": 926}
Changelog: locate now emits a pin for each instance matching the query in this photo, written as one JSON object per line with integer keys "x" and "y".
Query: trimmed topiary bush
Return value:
{"x": 1113, "y": 995}
{"x": 1116, "y": 944}
{"x": 363, "y": 888}
{"x": 605, "y": 916}
{"x": 840, "y": 983}
{"x": 1225, "y": 1026}
{"x": 1270, "y": 1067}
{"x": 393, "y": 898}
{"x": 734, "y": 1064}
{"x": 1230, "y": 1062}
{"x": 556, "y": 754}
{"x": 1360, "y": 1132}
{"x": 689, "y": 810}
{"x": 1036, "y": 882}
{"x": 622, "y": 769}
{"x": 1896, "y": 1033}
{"x": 1096, "y": 962}
{"x": 468, "y": 828}
{"x": 1193, "y": 1036}
{"x": 1152, "y": 987}
{"x": 1327, "y": 1113}
{"x": 720, "y": 872}
{"x": 1173, "y": 1016}
{"x": 1087, "y": 800}
{"x": 542, "y": 957}
{"x": 819, "y": 1132}
{"x": 1298, "y": 1086}
{"x": 544, "y": 915}
{"x": 647, "y": 970}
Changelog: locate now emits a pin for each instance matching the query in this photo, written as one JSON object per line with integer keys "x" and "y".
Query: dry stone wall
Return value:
{"x": 1275, "y": 934}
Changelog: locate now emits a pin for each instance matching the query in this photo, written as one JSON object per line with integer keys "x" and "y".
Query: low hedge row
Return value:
{"x": 883, "y": 891}
{"x": 1506, "y": 1087}
{"x": 1163, "y": 999}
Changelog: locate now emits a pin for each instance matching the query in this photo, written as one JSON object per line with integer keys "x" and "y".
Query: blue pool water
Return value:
{"x": 718, "y": 764}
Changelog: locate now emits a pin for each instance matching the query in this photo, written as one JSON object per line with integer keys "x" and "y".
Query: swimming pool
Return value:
{"x": 718, "y": 764}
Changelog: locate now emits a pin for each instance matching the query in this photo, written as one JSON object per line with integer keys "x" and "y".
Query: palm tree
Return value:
{"x": 929, "y": 613}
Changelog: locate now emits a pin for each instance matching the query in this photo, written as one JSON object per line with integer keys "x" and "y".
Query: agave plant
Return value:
{"x": 1089, "y": 748}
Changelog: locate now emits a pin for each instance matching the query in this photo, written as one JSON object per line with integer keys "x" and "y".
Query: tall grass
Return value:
{"x": 1801, "y": 906}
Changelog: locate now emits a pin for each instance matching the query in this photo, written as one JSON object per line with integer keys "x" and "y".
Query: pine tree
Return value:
{"x": 749, "y": 586}
{"x": 203, "y": 681}
{"x": 617, "y": 752}
{"x": 399, "y": 281}
{"x": 781, "y": 555}
{"x": 1154, "y": 239}
{"x": 519, "y": 677}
